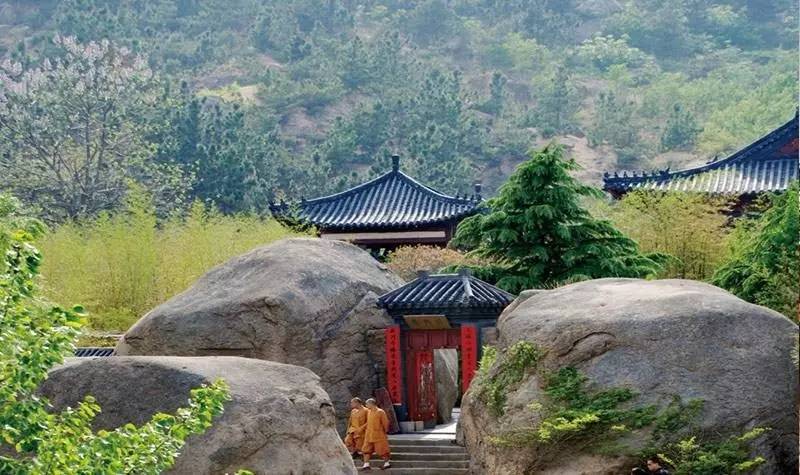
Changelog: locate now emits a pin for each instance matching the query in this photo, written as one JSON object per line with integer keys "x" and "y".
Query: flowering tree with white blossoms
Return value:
{"x": 74, "y": 129}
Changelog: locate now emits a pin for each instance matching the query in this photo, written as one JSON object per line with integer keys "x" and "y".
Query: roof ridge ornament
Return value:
{"x": 395, "y": 163}
{"x": 465, "y": 273}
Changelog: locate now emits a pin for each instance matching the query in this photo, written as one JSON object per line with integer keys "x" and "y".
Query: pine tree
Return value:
{"x": 556, "y": 104}
{"x": 536, "y": 232}
{"x": 497, "y": 94}
{"x": 681, "y": 130}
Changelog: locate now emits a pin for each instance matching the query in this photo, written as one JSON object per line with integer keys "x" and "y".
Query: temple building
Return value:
{"x": 769, "y": 164}
{"x": 389, "y": 211}
{"x": 433, "y": 312}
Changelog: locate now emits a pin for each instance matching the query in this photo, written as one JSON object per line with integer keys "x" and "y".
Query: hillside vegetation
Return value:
{"x": 151, "y": 135}
{"x": 256, "y": 100}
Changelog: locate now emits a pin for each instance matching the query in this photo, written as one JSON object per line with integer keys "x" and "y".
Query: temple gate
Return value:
{"x": 435, "y": 312}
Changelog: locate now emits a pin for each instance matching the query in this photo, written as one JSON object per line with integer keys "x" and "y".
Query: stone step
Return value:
{"x": 428, "y": 456}
{"x": 427, "y": 471}
{"x": 398, "y": 441}
{"x": 420, "y": 471}
{"x": 436, "y": 449}
{"x": 378, "y": 463}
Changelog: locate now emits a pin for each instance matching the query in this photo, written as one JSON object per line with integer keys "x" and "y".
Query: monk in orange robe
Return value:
{"x": 375, "y": 439}
{"x": 356, "y": 426}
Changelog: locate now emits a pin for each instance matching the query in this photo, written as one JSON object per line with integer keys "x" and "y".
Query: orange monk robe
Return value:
{"x": 355, "y": 429}
{"x": 375, "y": 439}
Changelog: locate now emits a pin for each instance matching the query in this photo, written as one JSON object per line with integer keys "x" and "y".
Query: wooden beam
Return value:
{"x": 386, "y": 236}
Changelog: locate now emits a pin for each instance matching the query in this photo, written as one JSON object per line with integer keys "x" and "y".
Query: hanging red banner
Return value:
{"x": 469, "y": 355}
{"x": 394, "y": 376}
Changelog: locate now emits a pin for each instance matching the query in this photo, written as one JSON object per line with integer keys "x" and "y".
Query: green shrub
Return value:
{"x": 732, "y": 455}
{"x": 34, "y": 337}
{"x": 604, "y": 51}
{"x": 130, "y": 263}
{"x": 764, "y": 263}
{"x": 687, "y": 226}
{"x": 514, "y": 365}
{"x": 571, "y": 413}
{"x": 488, "y": 357}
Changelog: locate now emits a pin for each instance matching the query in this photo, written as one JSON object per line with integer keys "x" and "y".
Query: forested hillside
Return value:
{"x": 238, "y": 102}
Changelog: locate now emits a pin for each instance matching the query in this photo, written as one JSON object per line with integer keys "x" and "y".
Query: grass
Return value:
{"x": 119, "y": 267}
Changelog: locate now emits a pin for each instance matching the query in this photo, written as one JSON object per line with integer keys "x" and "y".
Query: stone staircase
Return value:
{"x": 425, "y": 457}
{"x": 429, "y": 452}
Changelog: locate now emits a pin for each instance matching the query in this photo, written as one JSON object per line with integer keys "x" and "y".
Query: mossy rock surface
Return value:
{"x": 662, "y": 339}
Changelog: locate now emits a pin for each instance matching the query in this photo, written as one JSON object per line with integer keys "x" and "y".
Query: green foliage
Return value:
{"x": 764, "y": 267}
{"x": 605, "y": 51}
{"x": 429, "y": 21}
{"x": 760, "y": 105}
{"x": 732, "y": 455}
{"x": 524, "y": 53}
{"x": 34, "y": 337}
{"x": 614, "y": 124}
{"x": 538, "y": 233}
{"x": 233, "y": 167}
{"x": 74, "y": 130}
{"x": 131, "y": 263}
{"x": 497, "y": 94}
{"x": 658, "y": 27}
{"x": 689, "y": 227}
{"x": 488, "y": 357}
{"x": 557, "y": 102}
{"x": 515, "y": 363}
{"x": 569, "y": 413}
{"x": 406, "y": 261}
{"x": 312, "y": 61}
{"x": 681, "y": 130}
{"x": 676, "y": 417}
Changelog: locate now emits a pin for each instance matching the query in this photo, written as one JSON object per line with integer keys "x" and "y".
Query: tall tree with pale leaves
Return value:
{"x": 74, "y": 127}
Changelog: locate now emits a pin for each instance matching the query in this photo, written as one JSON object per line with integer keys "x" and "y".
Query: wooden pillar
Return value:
{"x": 469, "y": 355}
{"x": 394, "y": 371}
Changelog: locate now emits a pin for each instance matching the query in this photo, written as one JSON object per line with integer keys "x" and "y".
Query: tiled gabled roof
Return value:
{"x": 88, "y": 352}
{"x": 768, "y": 164}
{"x": 391, "y": 201}
{"x": 446, "y": 291}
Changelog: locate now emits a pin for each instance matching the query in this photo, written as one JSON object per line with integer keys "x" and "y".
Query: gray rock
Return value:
{"x": 279, "y": 420}
{"x": 308, "y": 302}
{"x": 445, "y": 370}
{"x": 662, "y": 339}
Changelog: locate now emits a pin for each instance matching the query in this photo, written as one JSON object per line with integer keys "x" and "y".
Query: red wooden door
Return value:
{"x": 422, "y": 386}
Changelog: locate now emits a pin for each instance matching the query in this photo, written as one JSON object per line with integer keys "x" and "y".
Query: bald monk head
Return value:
{"x": 356, "y": 403}
{"x": 371, "y": 403}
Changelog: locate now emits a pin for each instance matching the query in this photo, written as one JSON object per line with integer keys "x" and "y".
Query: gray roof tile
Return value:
{"x": 443, "y": 291}
{"x": 88, "y": 352}
{"x": 769, "y": 164}
{"x": 393, "y": 200}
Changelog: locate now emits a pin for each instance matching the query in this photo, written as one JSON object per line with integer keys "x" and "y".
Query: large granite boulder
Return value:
{"x": 662, "y": 339}
{"x": 445, "y": 370}
{"x": 303, "y": 301}
{"x": 279, "y": 420}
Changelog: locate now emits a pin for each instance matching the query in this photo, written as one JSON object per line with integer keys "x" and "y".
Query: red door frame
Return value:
{"x": 417, "y": 349}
